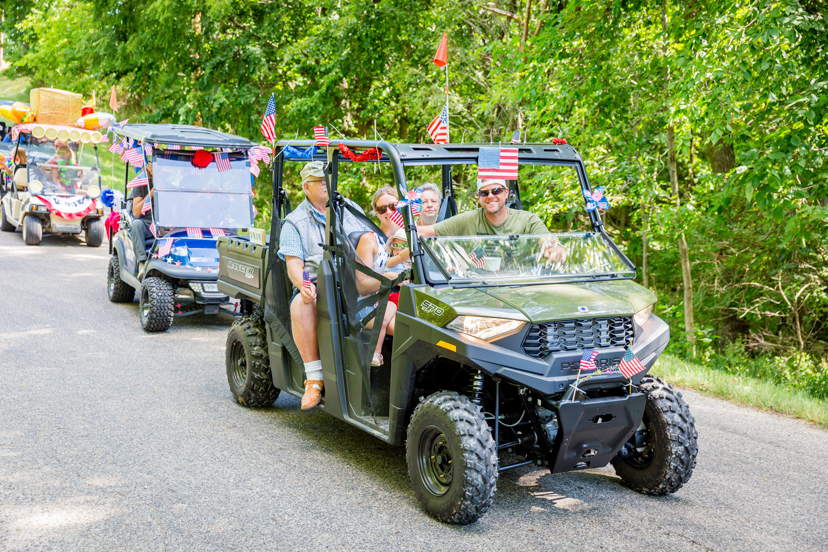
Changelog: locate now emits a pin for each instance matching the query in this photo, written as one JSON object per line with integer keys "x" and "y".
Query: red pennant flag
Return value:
{"x": 441, "y": 57}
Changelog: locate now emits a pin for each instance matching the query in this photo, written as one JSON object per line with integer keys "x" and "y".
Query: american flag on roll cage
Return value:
{"x": 438, "y": 129}
{"x": 516, "y": 137}
{"x": 321, "y": 135}
{"x": 497, "y": 162}
{"x": 222, "y": 162}
{"x": 268, "y": 127}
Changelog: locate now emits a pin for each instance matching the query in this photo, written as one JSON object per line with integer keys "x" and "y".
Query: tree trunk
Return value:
{"x": 722, "y": 157}
{"x": 645, "y": 225}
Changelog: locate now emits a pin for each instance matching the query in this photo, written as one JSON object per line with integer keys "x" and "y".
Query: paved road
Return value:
{"x": 113, "y": 439}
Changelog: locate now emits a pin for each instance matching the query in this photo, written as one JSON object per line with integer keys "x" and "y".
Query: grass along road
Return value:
{"x": 743, "y": 390}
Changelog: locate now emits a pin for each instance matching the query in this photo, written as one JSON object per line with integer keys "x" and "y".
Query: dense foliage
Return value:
{"x": 706, "y": 121}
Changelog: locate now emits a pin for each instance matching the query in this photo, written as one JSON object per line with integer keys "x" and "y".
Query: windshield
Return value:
{"x": 187, "y": 196}
{"x": 63, "y": 167}
{"x": 499, "y": 260}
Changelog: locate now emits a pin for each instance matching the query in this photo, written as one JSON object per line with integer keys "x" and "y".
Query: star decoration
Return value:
{"x": 169, "y": 260}
{"x": 198, "y": 269}
{"x": 209, "y": 270}
{"x": 155, "y": 255}
{"x": 177, "y": 263}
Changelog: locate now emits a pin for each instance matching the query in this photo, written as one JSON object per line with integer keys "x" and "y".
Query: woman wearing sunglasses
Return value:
{"x": 493, "y": 218}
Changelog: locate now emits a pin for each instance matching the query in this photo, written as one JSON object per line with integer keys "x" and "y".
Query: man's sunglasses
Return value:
{"x": 381, "y": 209}
{"x": 495, "y": 191}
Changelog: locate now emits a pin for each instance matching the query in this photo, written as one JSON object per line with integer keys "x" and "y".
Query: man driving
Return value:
{"x": 139, "y": 230}
{"x": 494, "y": 218}
{"x": 300, "y": 241}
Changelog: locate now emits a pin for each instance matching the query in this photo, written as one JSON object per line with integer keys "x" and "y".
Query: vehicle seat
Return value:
{"x": 21, "y": 177}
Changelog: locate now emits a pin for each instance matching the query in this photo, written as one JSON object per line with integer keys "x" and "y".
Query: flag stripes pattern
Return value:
{"x": 503, "y": 165}
{"x": 269, "y": 121}
{"x": 438, "y": 129}
{"x": 165, "y": 247}
{"x": 218, "y": 232}
{"x": 306, "y": 281}
{"x": 588, "y": 359}
{"x": 516, "y": 137}
{"x": 396, "y": 217}
{"x": 477, "y": 262}
{"x": 116, "y": 147}
{"x": 133, "y": 156}
{"x": 630, "y": 365}
{"x": 147, "y": 206}
{"x": 152, "y": 229}
{"x": 138, "y": 181}
{"x": 174, "y": 147}
{"x": 321, "y": 135}
{"x": 194, "y": 233}
{"x": 222, "y": 162}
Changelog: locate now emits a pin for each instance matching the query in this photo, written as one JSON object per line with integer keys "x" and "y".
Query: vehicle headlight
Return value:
{"x": 35, "y": 186}
{"x": 93, "y": 192}
{"x": 195, "y": 286}
{"x": 485, "y": 328}
{"x": 643, "y": 315}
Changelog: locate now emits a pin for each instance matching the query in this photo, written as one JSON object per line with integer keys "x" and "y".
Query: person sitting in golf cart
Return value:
{"x": 302, "y": 233}
{"x": 431, "y": 199}
{"x": 58, "y": 170}
{"x": 139, "y": 231}
{"x": 494, "y": 218}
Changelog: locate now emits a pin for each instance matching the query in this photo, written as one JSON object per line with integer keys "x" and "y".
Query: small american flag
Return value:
{"x": 415, "y": 207}
{"x": 321, "y": 135}
{"x": 306, "y": 281}
{"x": 222, "y": 162}
{"x": 147, "y": 206}
{"x": 438, "y": 129}
{"x": 269, "y": 121}
{"x": 497, "y": 162}
{"x": 588, "y": 359}
{"x": 477, "y": 262}
{"x": 148, "y": 150}
{"x": 116, "y": 147}
{"x": 630, "y": 365}
{"x": 196, "y": 148}
{"x": 226, "y": 150}
{"x": 133, "y": 156}
{"x": 516, "y": 137}
{"x": 138, "y": 181}
{"x": 165, "y": 247}
{"x": 174, "y": 147}
{"x": 152, "y": 229}
{"x": 218, "y": 232}
{"x": 254, "y": 169}
{"x": 396, "y": 217}
{"x": 194, "y": 233}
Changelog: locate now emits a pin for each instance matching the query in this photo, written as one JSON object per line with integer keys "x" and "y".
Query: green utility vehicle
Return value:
{"x": 483, "y": 372}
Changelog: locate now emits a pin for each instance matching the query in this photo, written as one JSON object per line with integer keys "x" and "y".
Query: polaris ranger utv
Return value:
{"x": 191, "y": 207}
{"x": 483, "y": 373}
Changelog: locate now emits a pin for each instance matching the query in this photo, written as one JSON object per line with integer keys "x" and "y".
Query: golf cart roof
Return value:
{"x": 184, "y": 135}
{"x": 428, "y": 154}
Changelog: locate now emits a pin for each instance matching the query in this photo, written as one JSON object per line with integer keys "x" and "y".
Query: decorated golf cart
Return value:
{"x": 53, "y": 184}
{"x": 201, "y": 185}
{"x": 508, "y": 351}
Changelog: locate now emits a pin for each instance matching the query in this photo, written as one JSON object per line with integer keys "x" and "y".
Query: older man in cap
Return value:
{"x": 300, "y": 247}
{"x": 493, "y": 217}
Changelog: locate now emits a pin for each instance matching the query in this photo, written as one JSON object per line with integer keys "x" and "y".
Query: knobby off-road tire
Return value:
{"x": 669, "y": 455}
{"x": 156, "y": 304}
{"x": 32, "y": 231}
{"x": 5, "y": 225}
{"x": 248, "y": 364}
{"x": 452, "y": 458}
{"x": 117, "y": 290}
{"x": 95, "y": 233}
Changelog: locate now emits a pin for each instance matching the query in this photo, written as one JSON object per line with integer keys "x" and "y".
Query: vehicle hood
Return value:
{"x": 567, "y": 301}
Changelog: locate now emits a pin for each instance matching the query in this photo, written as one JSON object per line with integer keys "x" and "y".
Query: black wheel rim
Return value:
{"x": 434, "y": 461}
{"x": 643, "y": 445}
{"x": 239, "y": 367}
{"x": 144, "y": 307}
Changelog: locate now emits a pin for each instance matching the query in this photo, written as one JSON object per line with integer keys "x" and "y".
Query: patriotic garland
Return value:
{"x": 372, "y": 154}
{"x": 293, "y": 153}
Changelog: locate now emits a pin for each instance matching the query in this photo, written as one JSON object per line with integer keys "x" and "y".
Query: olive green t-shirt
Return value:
{"x": 475, "y": 223}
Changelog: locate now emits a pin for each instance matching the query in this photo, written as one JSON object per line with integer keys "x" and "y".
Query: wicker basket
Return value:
{"x": 56, "y": 107}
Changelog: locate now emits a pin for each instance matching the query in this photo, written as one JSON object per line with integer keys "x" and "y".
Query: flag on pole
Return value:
{"x": 194, "y": 233}
{"x": 497, "y": 162}
{"x": 441, "y": 57}
{"x": 116, "y": 147}
{"x": 516, "y": 137}
{"x": 588, "y": 360}
{"x": 306, "y": 281}
{"x": 133, "y": 156}
{"x": 630, "y": 365}
{"x": 147, "y": 206}
{"x": 254, "y": 169}
{"x": 218, "y": 232}
{"x": 138, "y": 181}
{"x": 476, "y": 261}
{"x": 113, "y": 101}
{"x": 269, "y": 121}
{"x": 438, "y": 129}
{"x": 173, "y": 147}
{"x": 152, "y": 229}
{"x": 165, "y": 247}
{"x": 222, "y": 161}
{"x": 321, "y": 135}
{"x": 396, "y": 217}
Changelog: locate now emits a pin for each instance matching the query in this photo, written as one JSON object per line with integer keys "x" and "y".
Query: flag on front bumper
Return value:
{"x": 630, "y": 365}
{"x": 497, "y": 162}
{"x": 588, "y": 359}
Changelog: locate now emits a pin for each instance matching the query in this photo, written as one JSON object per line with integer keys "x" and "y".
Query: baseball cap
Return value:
{"x": 313, "y": 168}
{"x": 489, "y": 182}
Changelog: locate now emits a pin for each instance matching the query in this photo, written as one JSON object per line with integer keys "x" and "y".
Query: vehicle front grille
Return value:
{"x": 571, "y": 335}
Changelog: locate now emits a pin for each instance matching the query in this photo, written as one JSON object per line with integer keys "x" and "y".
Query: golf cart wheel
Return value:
{"x": 156, "y": 304}
{"x": 5, "y": 225}
{"x": 118, "y": 290}
{"x": 659, "y": 458}
{"x": 32, "y": 230}
{"x": 248, "y": 364}
{"x": 452, "y": 458}
{"x": 95, "y": 233}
